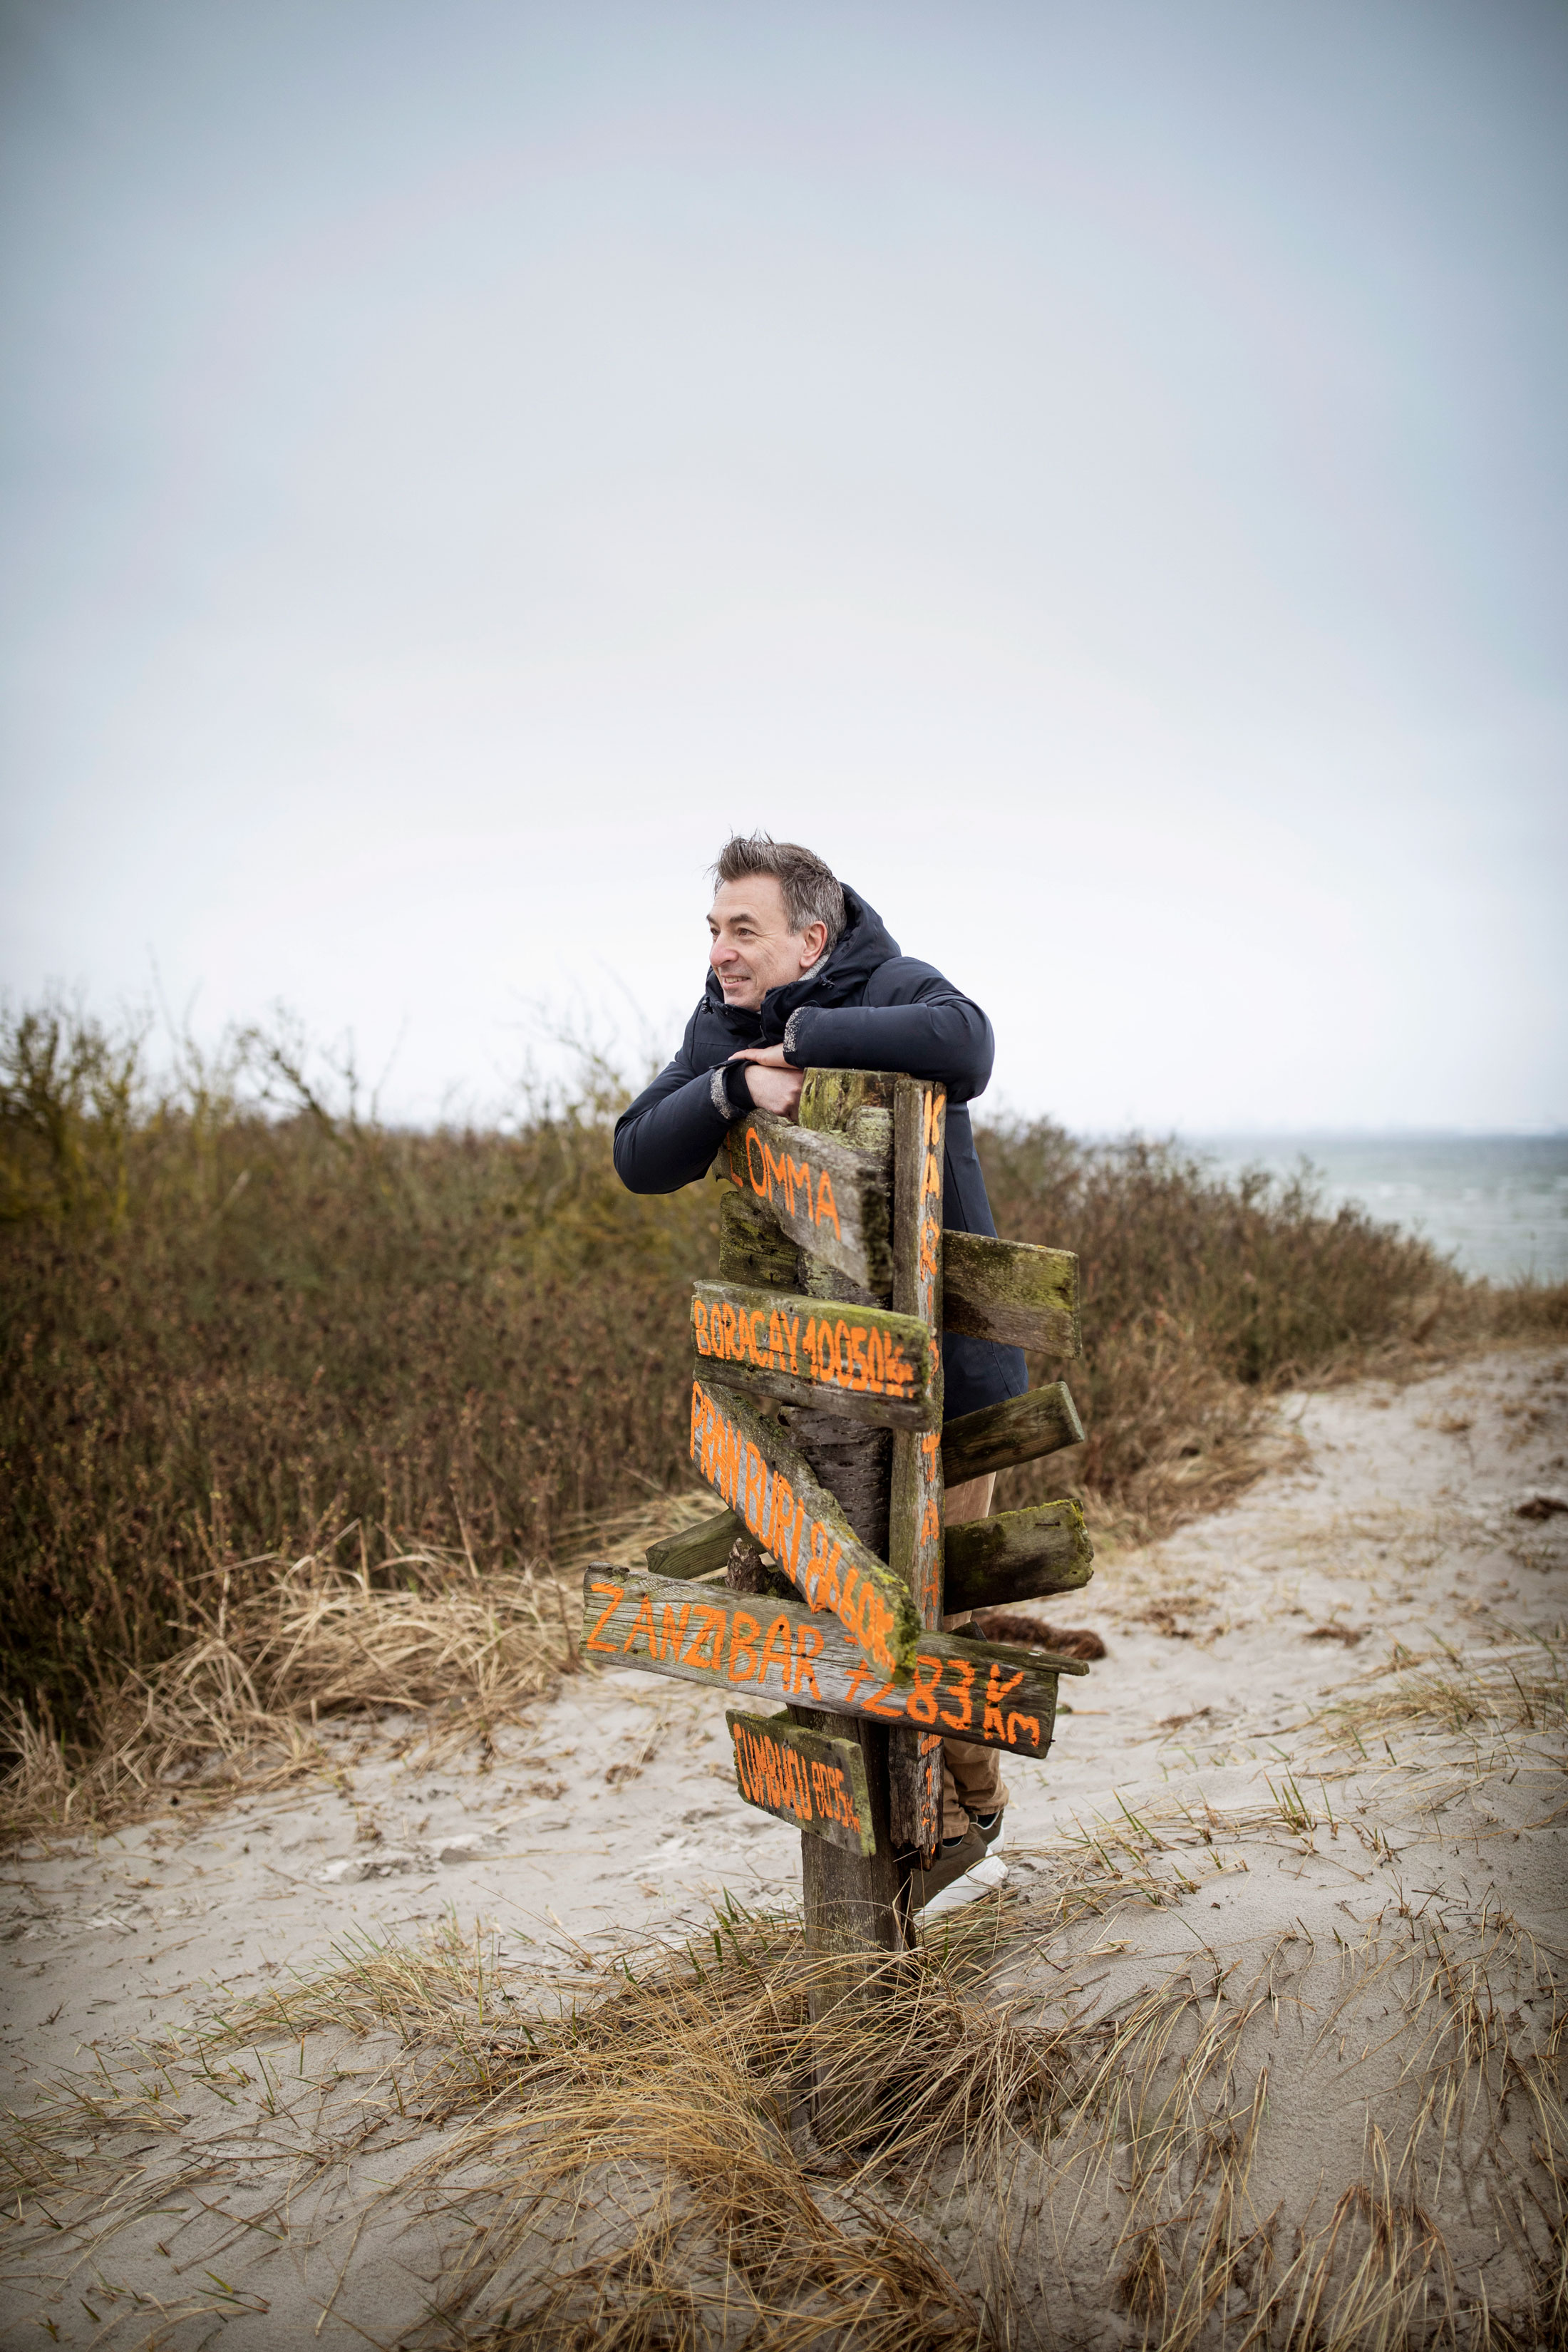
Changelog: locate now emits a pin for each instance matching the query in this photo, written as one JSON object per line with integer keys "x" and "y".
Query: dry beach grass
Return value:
{"x": 1261, "y": 2046}
{"x": 256, "y": 1344}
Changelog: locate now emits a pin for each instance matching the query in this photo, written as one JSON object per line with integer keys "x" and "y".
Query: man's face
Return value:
{"x": 753, "y": 948}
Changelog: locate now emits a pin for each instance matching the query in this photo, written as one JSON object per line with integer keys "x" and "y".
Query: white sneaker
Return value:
{"x": 981, "y": 1879}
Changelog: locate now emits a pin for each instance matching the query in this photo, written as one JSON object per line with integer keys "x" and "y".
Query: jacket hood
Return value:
{"x": 864, "y": 943}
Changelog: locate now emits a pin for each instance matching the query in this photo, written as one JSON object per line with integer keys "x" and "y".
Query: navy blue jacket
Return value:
{"x": 865, "y": 1007}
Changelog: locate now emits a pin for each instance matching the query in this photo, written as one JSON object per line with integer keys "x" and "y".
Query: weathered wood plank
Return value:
{"x": 1016, "y": 1555}
{"x": 831, "y": 1100}
{"x": 915, "y": 1528}
{"x": 856, "y": 1105}
{"x": 1020, "y": 1429}
{"x": 860, "y": 1361}
{"x": 808, "y": 1779}
{"x": 850, "y": 1902}
{"x": 1012, "y": 1291}
{"x": 695, "y": 1551}
{"x": 751, "y": 1466}
{"x": 980, "y": 1691}
{"x": 827, "y": 1197}
{"x": 751, "y": 1248}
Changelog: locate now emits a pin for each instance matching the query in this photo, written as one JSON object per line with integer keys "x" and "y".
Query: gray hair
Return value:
{"x": 812, "y": 892}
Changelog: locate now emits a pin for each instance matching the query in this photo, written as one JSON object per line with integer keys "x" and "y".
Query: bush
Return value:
{"x": 240, "y": 1319}
{"x": 228, "y": 1334}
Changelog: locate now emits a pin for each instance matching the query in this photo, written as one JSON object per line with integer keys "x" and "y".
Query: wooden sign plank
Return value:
{"x": 827, "y": 1197}
{"x": 1020, "y": 1429}
{"x": 859, "y": 1361}
{"x": 752, "y": 1249}
{"x": 1016, "y": 1555}
{"x": 856, "y": 1105}
{"x": 915, "y": 1523}
{"x": 695, "y": 1550}
{"x": 832, "y": 1099}
{"x": 1012, "y": 1291}
{"x": 806, "y": 1778}
{"x": 751, "y": 1466}
{"x": 980, "y": 1691}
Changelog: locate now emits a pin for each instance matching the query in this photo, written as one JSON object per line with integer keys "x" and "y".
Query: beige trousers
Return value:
{"x": 972, "y": 1779}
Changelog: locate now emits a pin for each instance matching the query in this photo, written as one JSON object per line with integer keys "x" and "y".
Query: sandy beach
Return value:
{"x": 1298, "y": 1854}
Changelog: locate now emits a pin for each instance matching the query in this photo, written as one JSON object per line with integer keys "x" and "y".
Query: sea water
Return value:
{"x": 1496, "y": 1204}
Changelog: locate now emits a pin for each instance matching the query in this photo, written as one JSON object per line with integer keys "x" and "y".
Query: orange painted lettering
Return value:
{"x": 797, "y": 1174}
{"x": 1031, "y": 1724}
{"x": 875, "y": 1707}
{"x": 776, "y": 1652}
{"x": 710, "y": 1626}
{"x": 759, "y": 1347}
{"x": 642, "y": 1623}
{"x": 699, "y": 1323}
{"x": 734, "y": 1463}
{"x": 807, "y": 1649}
{"x": 921, "y": 1700}
{"x": 841, "y": 1357}
{"x": 793, "y": 1334}
{"x": 961, "y": 1667}
{"x": 997, "y": 1691}
{"x": 826, "y": 1206}
{"x": 776, "y": 1341}
{"x": 754, "y": 1143}
{"x": 744, "y": 1633}
{"x": 618, "y": 1593}
{"x": 782, "y": 1516}
{"x": 858, "y": 1358}
{"x": 674, "y": 1632}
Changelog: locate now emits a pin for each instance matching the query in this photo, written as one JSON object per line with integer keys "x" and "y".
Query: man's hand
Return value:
{"x": 772, "y": 1083}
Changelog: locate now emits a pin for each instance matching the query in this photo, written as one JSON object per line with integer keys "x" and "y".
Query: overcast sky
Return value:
{"x": 1095, "y": 472}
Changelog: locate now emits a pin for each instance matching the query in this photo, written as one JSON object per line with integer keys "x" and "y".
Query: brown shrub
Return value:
{"x": 238, "y": 1316}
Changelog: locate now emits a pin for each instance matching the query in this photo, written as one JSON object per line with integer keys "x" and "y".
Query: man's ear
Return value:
{"x": 813, "y": 940}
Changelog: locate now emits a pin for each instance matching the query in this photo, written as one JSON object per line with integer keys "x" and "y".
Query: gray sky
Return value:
{"x": 1096, "y": 472}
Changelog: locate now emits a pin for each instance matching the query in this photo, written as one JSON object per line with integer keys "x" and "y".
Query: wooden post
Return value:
{"x": 920, "y": 1126}
{"x": 852, "y": 1904}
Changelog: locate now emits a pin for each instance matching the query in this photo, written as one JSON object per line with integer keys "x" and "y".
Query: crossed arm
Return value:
{"x": 773, "y": 1085}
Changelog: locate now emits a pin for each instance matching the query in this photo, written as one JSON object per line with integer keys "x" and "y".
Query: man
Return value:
{"x": 803, "y": 975}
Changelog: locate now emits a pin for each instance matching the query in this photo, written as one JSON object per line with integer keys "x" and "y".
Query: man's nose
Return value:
{"x": 720, "y": 953}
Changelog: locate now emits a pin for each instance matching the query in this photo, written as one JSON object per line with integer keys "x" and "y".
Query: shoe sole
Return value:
{"x": 983, "y": 1878}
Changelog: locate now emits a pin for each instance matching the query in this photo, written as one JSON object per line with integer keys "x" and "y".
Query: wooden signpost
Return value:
{"x": 817, "y": 1419}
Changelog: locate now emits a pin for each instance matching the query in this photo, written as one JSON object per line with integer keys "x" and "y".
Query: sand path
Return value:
{"x": 1392, "y": 1530}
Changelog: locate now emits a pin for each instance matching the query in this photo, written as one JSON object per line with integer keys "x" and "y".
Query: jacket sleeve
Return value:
{"x": 923, "y": 1026}
{"x": 669, "y": 1136}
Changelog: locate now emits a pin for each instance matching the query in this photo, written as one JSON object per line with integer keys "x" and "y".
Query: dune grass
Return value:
{"x": 616, "y": 2145}
{"x": 249, "y": 1331}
